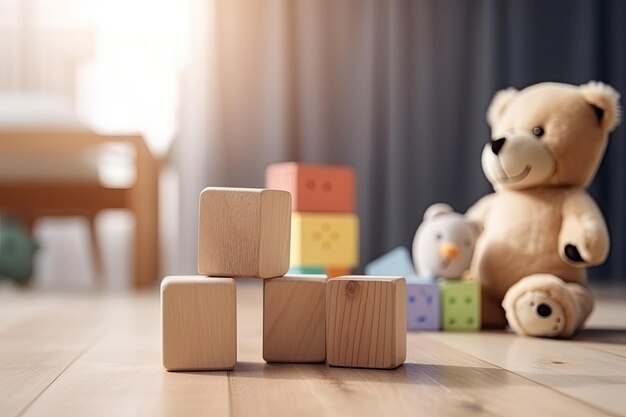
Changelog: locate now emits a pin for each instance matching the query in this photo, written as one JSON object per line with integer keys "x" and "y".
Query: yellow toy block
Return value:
{"x": 326, "y": 240}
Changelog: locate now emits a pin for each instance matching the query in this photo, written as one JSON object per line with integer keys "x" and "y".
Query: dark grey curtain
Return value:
{"x": 399, "y": 89}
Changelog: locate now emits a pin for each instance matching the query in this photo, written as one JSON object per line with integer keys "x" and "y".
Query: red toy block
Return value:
{"x": 314, "y": 188}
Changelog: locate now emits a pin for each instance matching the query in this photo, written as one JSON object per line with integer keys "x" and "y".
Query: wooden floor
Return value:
{"x": 78, "y": 355}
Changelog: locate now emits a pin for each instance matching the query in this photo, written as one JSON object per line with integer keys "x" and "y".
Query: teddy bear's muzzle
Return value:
{"x": 518, "y": 160}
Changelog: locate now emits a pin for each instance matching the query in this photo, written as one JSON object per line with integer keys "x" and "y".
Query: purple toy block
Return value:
{"x": 422, "y": 306}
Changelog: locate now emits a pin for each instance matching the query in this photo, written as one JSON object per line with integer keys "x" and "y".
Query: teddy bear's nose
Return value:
{"x": 449, "y": 251}
{"x": 497, "y": 144}
{"x": 544, "y": 310}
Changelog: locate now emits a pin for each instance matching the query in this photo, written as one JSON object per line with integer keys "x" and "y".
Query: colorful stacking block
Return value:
{"x": 294, "y": 319}
{"x": 334, "y": 272}
{"x": 366, "y": 321}
{"x": 460, "y": 304}
{"x": 328, "y": 240}
{"x": 199, "y": 323}
{"x": 310, "y": 270}
{"x": 244, "y": 232}
{"x": 315, "y": 188}
{"x": 422, "y": 305}
{"x": 396, "y": 262}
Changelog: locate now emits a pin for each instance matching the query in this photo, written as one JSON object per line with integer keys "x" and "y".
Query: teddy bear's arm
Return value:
{"x": 584, "y": 238}
{"x": 479, "y": 211}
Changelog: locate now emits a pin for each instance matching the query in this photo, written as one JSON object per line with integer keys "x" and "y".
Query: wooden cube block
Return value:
{"x": 423, "y": 307}
{"x": 460, "y": 304}
{"x": 315, "y": 188}
{"x": 244, "y": 232}
{"x": 294, "y": 319}
{"x": 199, "y": 323}
{"x": 366, "y": 322}
{"x": 327, "y": 240}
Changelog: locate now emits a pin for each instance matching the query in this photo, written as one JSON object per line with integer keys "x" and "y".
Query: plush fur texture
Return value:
{"x": 551, "y": 139}
{"x": 444, "y": 243}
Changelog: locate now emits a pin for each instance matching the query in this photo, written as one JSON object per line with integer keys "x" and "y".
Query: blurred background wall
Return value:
{"x": 220, "y": 89}
{"x": 397, "y": 89}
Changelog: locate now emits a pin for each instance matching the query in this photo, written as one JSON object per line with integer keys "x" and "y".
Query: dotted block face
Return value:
{"x": 294, "y": 319}
{"x": 328, "y": 240}
{"x": 397, "y": 262}
{"x": 423, "y": 307}
{"x": 199, "y": 323}
{"x": 244, "y": 232}
{"x": 460, "y": 305}
{"x": 315, "y": 188}
{"x": 366, "y": 322}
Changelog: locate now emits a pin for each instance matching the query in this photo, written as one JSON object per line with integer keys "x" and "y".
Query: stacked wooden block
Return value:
{"x": 324, "y": 227}
{"x": 241, "y": 233}
{"x": 349, "y": 321}
{"x": 451, "y": 304}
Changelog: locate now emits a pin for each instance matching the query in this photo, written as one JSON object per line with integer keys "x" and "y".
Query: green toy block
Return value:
{"x": 306, "y": 270}
{"x": 460, "y": 304}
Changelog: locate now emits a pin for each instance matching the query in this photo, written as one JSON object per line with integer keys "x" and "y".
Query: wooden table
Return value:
{"x": 99, "y": 355}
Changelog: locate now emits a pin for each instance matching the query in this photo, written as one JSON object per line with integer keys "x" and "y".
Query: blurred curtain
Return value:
{"x": 397, "y": 89}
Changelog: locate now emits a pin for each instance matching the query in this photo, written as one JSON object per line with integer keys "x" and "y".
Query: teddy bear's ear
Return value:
{"x": 499, "y": 103}
{"x": 605, "y": 103}
{"x": 437, "y": 210}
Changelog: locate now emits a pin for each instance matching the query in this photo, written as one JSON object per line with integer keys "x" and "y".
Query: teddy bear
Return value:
{"x": 444, "y": 243}
{"x": 540, "y": 228}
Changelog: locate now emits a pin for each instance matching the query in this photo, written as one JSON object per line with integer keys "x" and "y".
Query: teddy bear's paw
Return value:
{"x": 589, "y": 247}
{"x": 539, "y": 315}
{"x": 572, "y": 253}
{"x": 541, "y": 305}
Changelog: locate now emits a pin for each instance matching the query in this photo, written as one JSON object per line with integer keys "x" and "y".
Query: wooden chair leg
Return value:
{"x": 96, "y": 250}
{"x": 144, "y": 203}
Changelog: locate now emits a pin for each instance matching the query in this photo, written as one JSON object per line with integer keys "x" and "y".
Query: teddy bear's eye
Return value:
{"x": 438, "y": 236}
{"x": 538, "y": 131}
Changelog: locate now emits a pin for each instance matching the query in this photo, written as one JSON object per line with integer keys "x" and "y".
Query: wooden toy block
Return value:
{"x": 338, "y": 272}
{"x": 423, "y": 307}
{"x": 396, "y": 262}
{"x": 199, "y": 323}
{"x": 244, "y": 232}
{"x": 460, "y": 305}
{"x": 315, "y": 188}
{"x": 294, "y": 319}
{"x": 328, "y": 240}
{"x": 366, "y": 322}
{"x": 307, "y": 270}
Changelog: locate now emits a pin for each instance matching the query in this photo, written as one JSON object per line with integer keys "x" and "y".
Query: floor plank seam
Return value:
{"x": 72, "y": 362}
{"x": 230, "y": 393}
{"x": 599, "y": 349}
{"x": 527, "y": 378}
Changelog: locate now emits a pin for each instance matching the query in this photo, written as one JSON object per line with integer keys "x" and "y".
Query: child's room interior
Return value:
{"x": 313, "y": 208}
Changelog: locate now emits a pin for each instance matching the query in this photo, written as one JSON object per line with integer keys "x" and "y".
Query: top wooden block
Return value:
{"x": 315, "y": 188}
{"x": 244, "y": 232}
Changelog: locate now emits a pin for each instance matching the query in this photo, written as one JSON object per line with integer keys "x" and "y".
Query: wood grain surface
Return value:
{"x": 294, "y": 319}
{"x": 100, "y": 355}
{"x": 366, "y": 321}
{"x": 244, "y": 232}
{"x": 199, "y": 323}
